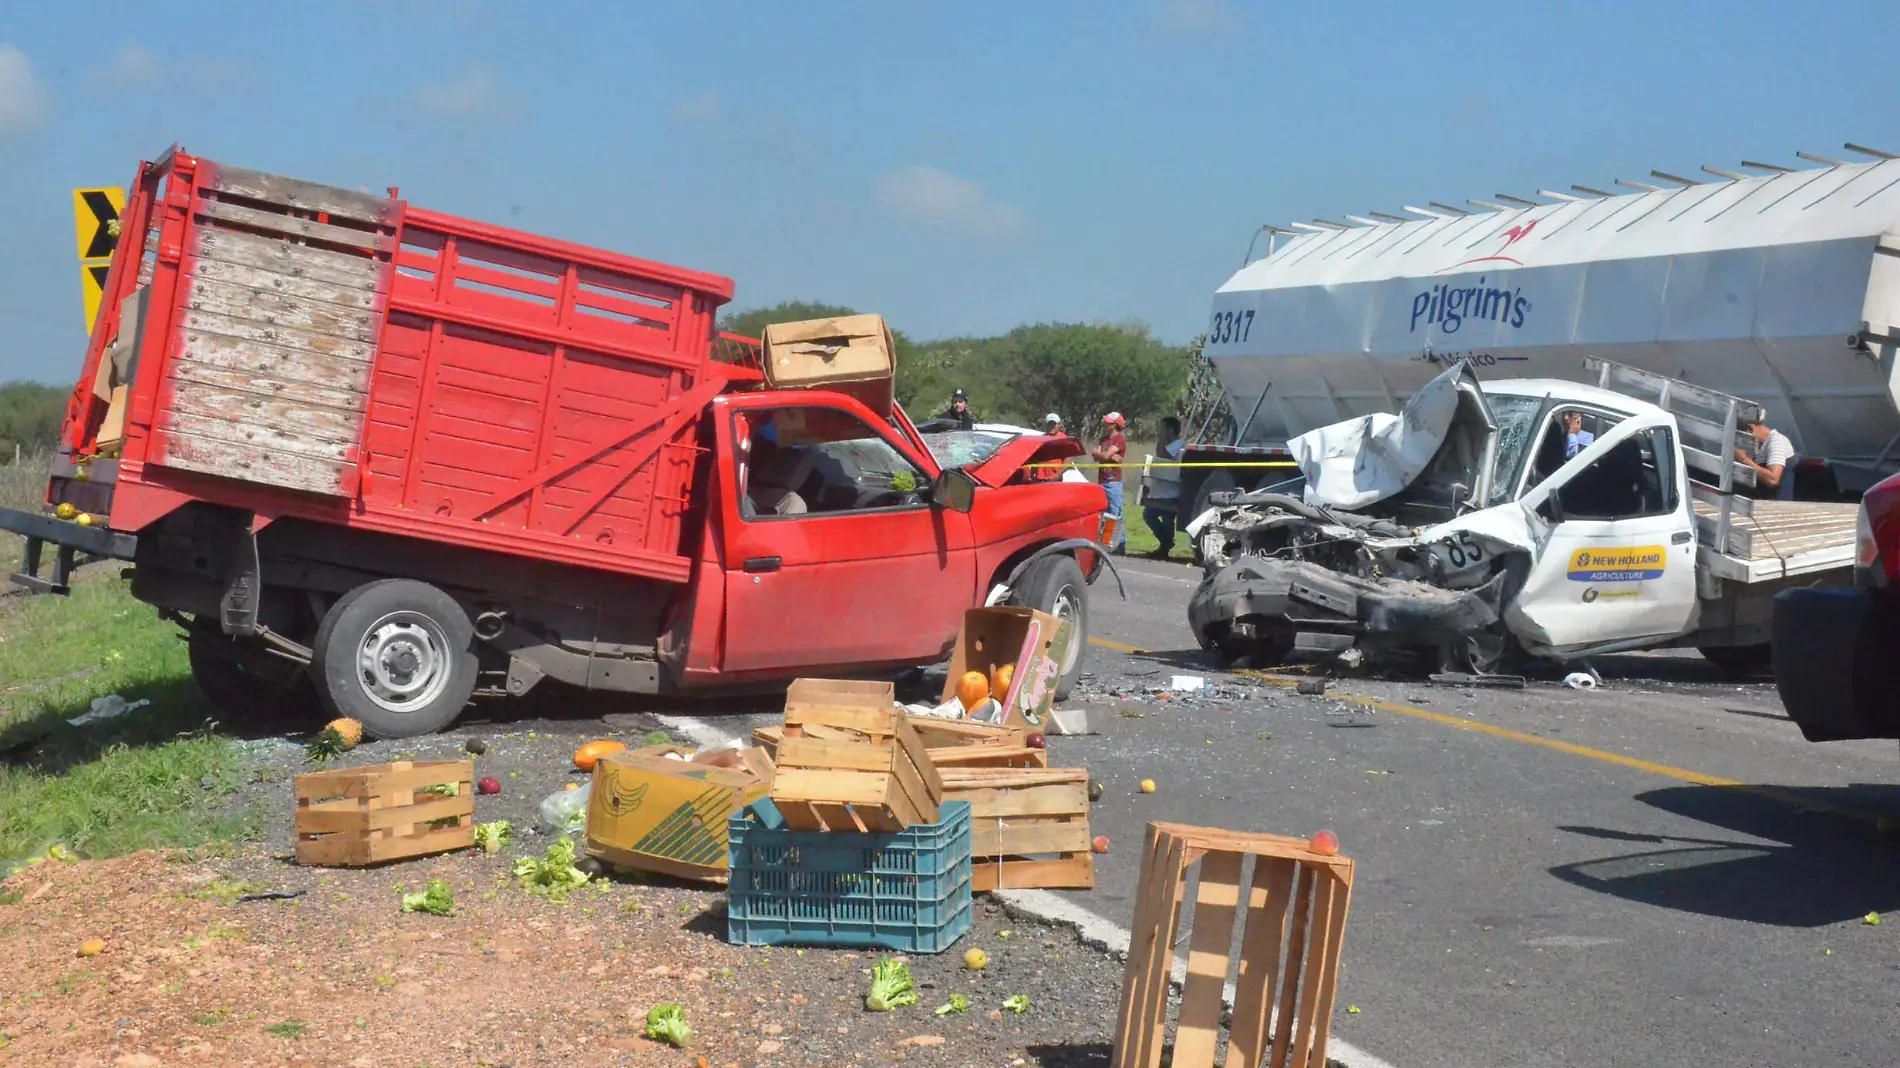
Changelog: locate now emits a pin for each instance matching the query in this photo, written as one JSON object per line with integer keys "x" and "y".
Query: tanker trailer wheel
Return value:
{"x": 1054, "y": 584}
{"x": 397, "y": 655}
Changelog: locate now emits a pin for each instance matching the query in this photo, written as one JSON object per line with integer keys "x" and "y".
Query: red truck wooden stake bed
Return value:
{"x": 411, "y": 457}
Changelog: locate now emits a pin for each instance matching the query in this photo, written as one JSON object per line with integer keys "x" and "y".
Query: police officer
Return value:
{"x": 959, "y": 411}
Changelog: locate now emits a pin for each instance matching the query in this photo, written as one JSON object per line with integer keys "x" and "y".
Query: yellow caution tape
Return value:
{"x": 1180, "y": 463}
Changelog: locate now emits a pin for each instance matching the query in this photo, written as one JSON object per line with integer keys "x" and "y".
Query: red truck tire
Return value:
{"x": 1055, "y": 584}
{"x": 398, "y": 656}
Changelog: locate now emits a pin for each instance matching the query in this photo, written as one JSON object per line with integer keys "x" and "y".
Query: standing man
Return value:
{"x": 1052, "y": 426}
{"x": 959, "y": 411}
{"x": 1111, "y": 453}
{"x": 1773, "y": 461}
{"x": 1161, "y": 493}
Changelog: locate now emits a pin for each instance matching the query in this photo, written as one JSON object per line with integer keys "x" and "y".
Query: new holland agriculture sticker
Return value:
{"x": 1637, "y": 564}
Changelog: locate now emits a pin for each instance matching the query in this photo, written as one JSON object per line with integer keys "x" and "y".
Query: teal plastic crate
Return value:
{"x": 907, "y": 891}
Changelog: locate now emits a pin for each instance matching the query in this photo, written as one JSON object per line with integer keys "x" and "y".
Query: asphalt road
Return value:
{"x": 1656, "y": 872}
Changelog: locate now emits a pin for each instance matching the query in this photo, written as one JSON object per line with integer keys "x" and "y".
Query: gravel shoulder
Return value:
{"x": 340, "y": 976}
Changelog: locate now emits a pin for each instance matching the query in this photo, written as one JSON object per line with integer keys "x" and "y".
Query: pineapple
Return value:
{"x": 324, "y": 746}
{"x": 347, "y": 729}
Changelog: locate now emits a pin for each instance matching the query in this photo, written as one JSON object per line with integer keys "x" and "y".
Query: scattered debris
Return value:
{"x": 553, "y": 875}
{"x": 1188, "y": 683}
{"x": 1872, "y": 919}
{"x": 92, "y": 947}
{"x": 957, "y": 1005}
{"x": 436, "y": 899}
{"x": 891, "y": 987}
{"x": 111, "y": 706}
{"x": 1018, "y": 1004}
{"x": 1312, "y": 687}
{"x": 1579, "y": 680}
{"x": 1147, "y": 786}
{"x": 1489, "y": 682}
{"x": 492, "y": 836}
{"x": 273, "y": 895}
{"x": 976, "y": 960}
{"x": 565, "y": 811}
{"x": 666, "y": 1022}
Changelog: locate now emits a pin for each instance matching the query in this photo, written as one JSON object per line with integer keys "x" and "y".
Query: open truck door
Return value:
{"x": 834, "y": 553}
{"x": 1616, "y": 549}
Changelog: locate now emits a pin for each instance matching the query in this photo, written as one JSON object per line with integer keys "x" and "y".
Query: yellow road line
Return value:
{"x": 1668, "y": 771}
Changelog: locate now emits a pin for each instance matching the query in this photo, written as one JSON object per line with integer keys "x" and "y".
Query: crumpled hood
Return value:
{"x": 1361, "y": 461}
{"x": 1018, "y": 453}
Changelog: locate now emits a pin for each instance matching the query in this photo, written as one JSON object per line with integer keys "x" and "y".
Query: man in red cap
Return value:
{"x": 1111, "y": 452}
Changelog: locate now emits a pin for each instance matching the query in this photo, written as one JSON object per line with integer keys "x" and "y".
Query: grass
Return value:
{"x": 158, "y": 776}
{"x": 1142, "y": 541}
{"x": 22, "y": 485}
{"x": 290, "y": 1029}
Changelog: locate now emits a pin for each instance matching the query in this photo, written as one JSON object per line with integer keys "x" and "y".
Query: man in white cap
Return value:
{"x": 1110, "y": 454}
{"x": 1052, "y": 426}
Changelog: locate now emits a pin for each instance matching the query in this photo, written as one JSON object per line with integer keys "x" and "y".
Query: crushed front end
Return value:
{"x": 1287, "y": 580}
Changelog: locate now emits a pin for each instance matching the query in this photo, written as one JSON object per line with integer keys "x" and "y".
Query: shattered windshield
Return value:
{"x": 961, "y": 448}
{"x": 1517, "y": 426}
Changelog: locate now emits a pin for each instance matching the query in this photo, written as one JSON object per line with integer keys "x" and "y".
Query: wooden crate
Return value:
{"x": 986, "y": 754}
{"x": 830, "y": 785}
{"x": 1029, "y": 826}
{"x": 1287, "y": 968}
{"x": 353, "y": 817}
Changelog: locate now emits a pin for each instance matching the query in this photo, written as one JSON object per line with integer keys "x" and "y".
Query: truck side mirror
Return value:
{"x": 954, "y": 489}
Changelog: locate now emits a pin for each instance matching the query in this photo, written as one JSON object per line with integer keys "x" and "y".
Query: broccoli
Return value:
{"x": 492, "y": 836}
{"x": 1018, "y": 1004}
{"x": 957, "y": 1004}
{"x": 554, "y": 874}
{"x": 890, "y": 987}
{"x": 667, "y": 1023}
{"x": 437, "y": 900}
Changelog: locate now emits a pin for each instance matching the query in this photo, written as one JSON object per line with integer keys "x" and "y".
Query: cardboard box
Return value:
{"x": 852, "y": 353}
{"x": 658, "y": 814}
{"x": 112, "y": 428}
{"x": 1036, "y": 642}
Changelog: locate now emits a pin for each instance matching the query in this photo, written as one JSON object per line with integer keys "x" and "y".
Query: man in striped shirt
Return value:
{"x": 1773, "y": 461}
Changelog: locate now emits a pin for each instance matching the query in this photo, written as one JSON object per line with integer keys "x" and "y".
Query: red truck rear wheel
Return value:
{"x": 398, "y": 656}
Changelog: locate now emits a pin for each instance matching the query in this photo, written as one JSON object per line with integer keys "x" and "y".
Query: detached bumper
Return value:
{"x": 73, "y": 545}
{"x": 1834, "y": 663}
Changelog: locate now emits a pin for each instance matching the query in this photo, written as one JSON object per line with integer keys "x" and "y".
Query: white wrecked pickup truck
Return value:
{"x": 1476, "y": 527}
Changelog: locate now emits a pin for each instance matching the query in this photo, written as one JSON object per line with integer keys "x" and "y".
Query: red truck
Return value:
{"x": 414, "y": 458}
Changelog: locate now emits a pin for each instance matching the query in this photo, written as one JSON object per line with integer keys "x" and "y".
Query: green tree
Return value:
{"x": 1084, "y": 371}
{"x": 753, "y": 321}
{"x": 30, "y": 415}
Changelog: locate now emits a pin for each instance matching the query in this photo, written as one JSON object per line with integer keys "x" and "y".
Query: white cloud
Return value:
{"x": 471, "y": 90}
{"x": 135, "y": 66}
{"x": 1194, "y": 16}
{"x": 22, "y": 101}
{"x": 702, "y": 108}
{"x": 939, "y": 199}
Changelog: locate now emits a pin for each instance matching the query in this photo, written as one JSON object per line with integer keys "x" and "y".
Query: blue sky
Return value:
{"x": 960, "y": 167}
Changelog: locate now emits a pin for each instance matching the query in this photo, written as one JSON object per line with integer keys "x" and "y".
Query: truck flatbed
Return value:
{"x": 1778, "y": 539}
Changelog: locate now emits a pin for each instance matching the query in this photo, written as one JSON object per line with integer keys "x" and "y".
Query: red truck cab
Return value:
{"x": 404, "y": 458}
